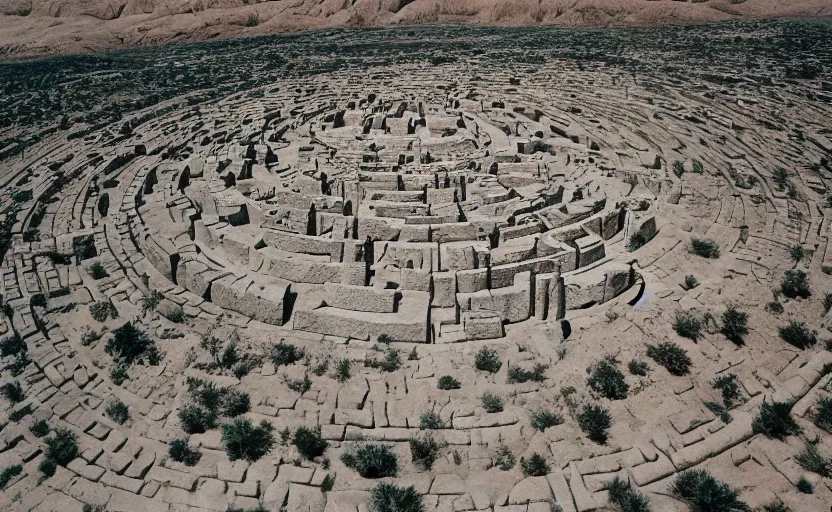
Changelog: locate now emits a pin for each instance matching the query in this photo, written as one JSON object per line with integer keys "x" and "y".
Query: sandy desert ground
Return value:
{"x": 421, "y": 269}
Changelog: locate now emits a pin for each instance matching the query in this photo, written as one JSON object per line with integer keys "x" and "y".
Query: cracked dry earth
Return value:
{"x": 332, "y": 246}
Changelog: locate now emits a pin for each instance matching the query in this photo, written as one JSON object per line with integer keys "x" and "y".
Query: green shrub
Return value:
{"x": 62, "y": 447}
{"x": 285, "y": 354}
{"x": 639, "y": 368}
{"x": 210, "y": 396}
{"x": 734, "y": 324}
{"x": 822, "y": 414}
{"x": 392, "y": 498}
{"x": 487, "y": 360}
{"x": 118, "y": 374}
{"x": 607, "y": 380}
{"x": 775, "y": 421}
{"x": 21, "y": 196}
{"x": 795, "y": 284}
{"x": 670, "y": 355}
{"x": 811, "y": 459}
{"x": 37, "y": 300}
{"x": 48, "y": 467}
{"x": 372, "y": 461}
{"x": 430, "y": 420}
{"x": 542, "y": 419}
{"x": 535, "y": 465}
{"x": 776, "y": 506}
{"x": 637, "y": 241}
{"x": 447, "y": 382}
{"x": 798, "y": 335}
{"x": 9, "y": 473}
{"x": 118, "y": 412}
{"x": 705, "y": 248}
{"x": 625, "y": 497}
{"x": 774, "y": 307}
{"x": 796, "y": 252}
{"x": 176, "y": 315}
{"x": 687, "y": 326}
{"x": 235, "y": 403}
{"x": 196, "y": 419}
{"x": 729, "y": 385}
{"x": 130, "y": 344}
{"x": 385, "y": 339}
{"x": 20, "y": 413}
{"x": 827, "y": 302}
{"x": 299, "y": 385}
{"x": 181, "y": 452}
{"x": 342, "y": 370}
{"x": 698, "y": 168}
{"x": 704, "y": 493}
{"x": 504, "y": 459}
{"x": 392, "y": 361}
{"x": 13, "y": 346}
{"x": 57, "y": 258}
{"x": 804, "y": 486}
{"x": 97, "y": 271}
{"x": 719, "y": 410}
{"x": 492, "y": 403}
{"x": 517, "y": 374}
{"x": 691, "y": 282}
{"x": 100, "y": 311}
{"x": 13, "y": 392}
{"x": 424, "y": 452}
{"x": 309, "y": 442}
{"x": 39, "y": 428}
{"x": 245, "y": 441}
{"x": 594, "y": 421}
{"x": 780, "y": 176}
{"x": 151, "y": 301}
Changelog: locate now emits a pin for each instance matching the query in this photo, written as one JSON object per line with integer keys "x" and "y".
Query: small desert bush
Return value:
{"x": 245, "y": 441}
{"x": 776, "y": 506}
{"x": 729, "y": 385}
{"x": 670, "y": 355}
{"x": 775, "y": 421}
{"x": 118, "y": 412}
{"x": 625, "y": 497}
{"x": 13, "y": 392}
{"x": 424, "y": 452}
{"x": 594, "y": 421}
{"x": 637, "y": 367}
{"x": 342, "y": 370}
{"x": 798, "y": 335}
{"x": 518, "y": 375}
{"x": 795, "y": 284}
{"x": 20, "y": 413}
{"x": 97, "y": 271}
{"x": 541, "y": 420}
{"x": 705, "y": 493}
{"x": 309, "y": 442}
{"x": 535, "y": 465}
{"x": 822, "y": 414}
{"x": 62, "y": 447}
{"x": 487, "y": 360}
{"x": 284, "y": 354}
{"x": 504, "y": 459}
{"x": 39, "y": 428}
{"x": 734, "y": 324}
{"x": 48, "y": 467}
{"x": 607, "y": 380}
{"x": 9, "y": 473}
{"x": 181, "y": 452}
{"x": 235, "y": 403}
{"x": 637, "y": 240}
{"x": 130, "y": 344}
{"x": 705, "y": 248}
{"x": 299, "y": 385}
{"x": 691, "y": 282}
{"x": 811, "y": 459}
{"x": 385, "y": 339}
{"x": 391, "y": 362}
{"x": 796, "y": 252}
{"x": 492, "y": 403}
{"x": 774, "y": 307}
{"x": 430, "y": 421}
{"x": 687, "y": 325}
{"x": 447, "y": 382}
{"x": 100, "y": 311}
{"x": 392, "y": 498}
{"x": 118, "y": 374}
{"x": 196, "y": 419}
{"x": 372, "y": 461}
{"x": 804, "y": 486}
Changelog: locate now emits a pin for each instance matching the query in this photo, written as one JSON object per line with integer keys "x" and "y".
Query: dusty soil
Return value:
{"x": 31, "y": 28}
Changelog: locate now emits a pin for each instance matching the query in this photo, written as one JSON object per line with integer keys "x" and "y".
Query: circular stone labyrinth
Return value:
{"x": 332, "y": 247}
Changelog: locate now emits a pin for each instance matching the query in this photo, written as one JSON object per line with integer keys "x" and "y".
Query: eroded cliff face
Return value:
{"x": 41, "y": 27}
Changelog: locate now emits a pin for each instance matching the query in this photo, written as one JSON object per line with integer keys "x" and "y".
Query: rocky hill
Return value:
{"x": 42, "y": 27}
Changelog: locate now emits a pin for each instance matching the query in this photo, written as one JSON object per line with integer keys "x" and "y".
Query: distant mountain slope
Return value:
{"x": 42, "y": 27}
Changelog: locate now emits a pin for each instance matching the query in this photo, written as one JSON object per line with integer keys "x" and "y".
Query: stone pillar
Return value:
{"x": 557, "y": 297}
